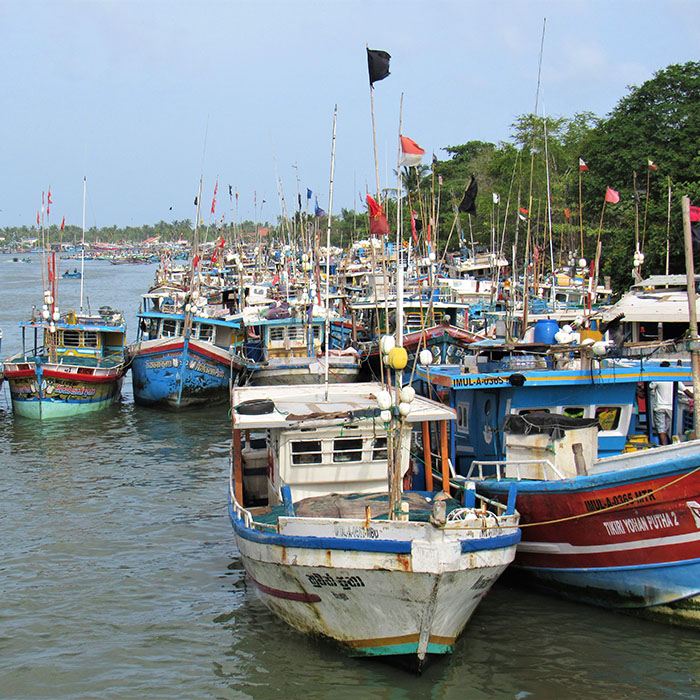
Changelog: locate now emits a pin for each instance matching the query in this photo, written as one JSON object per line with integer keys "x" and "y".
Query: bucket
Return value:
{"x": 545, "y": 329}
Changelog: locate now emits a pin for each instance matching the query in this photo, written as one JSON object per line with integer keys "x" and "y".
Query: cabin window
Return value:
{"x": 71, "y": 339}
{"x": 379, "y": 449}
{"x": 306, "y": 452}
{"x": 276, "y": 333}
{"x": 317, "y": 331}
{"x": 206, "y": 332}
{"x": 487, "y": 407}
{"x": 608, "y": 417}
{"x": 525, "y": 411}
{"x": 90, "y": 339}
{"x": 295, "y": 333}
{"x": 574, "y": 411}
{"x": 347, "y": 450}
{"x": 462, "y": 416}
{"x": 169, "y": 327}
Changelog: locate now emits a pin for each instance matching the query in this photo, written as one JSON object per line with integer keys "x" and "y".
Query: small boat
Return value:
{"x": 333, "y": 552}
{"x": 76, "y": 274}
{"x": 73, "y": 364}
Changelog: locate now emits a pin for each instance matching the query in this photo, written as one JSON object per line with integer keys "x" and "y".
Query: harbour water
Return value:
{"x": 119, "y": 577}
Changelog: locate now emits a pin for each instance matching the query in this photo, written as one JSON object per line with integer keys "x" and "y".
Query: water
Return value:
{"x": 119, "y": 577}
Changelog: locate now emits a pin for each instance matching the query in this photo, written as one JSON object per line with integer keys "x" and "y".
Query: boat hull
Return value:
{"x": 178, "y": 373}
{"x": 54, "y": 393}
{"x": 628, "y": 538}
{"x": 382, "y": 591}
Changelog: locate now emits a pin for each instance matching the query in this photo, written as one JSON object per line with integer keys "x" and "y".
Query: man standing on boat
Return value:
{"x": 663, "y": 406}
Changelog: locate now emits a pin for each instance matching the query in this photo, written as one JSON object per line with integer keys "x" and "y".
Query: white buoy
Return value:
{"x": 384, "y": 399}
{"x": 425, "y": 357}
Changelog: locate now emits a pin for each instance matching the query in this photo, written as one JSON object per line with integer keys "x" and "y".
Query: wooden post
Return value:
{"x": 444, "y": 457}
{"x": 237, "y": 466}
{"x": 427, "y": 456}
{"x": 692, "y": 311}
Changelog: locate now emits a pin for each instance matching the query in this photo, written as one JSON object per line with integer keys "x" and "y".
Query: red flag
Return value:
{"x": 195, "y": 261}
{"x": 411, "y": 152}
{"x": 567, "y": 213}
{"x": 413, "y": 226}
{"x": 221, "y": 242}
{"x": 63, "y": 223}
{"x": 48, "y": 201}
{"x": 652, "y": 165}
{"x": 37, "y": 218}
{"x": 213, "y": 201}
{"x": 612, "y": 196}
{"x": 694, "y": 213}
{"x": 582, "y": 165}
{"x": 378, "y": 224}
{"x": 276, "y": 278}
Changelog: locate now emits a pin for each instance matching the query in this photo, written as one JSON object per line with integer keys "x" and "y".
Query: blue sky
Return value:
{"x": 145, "y": 96}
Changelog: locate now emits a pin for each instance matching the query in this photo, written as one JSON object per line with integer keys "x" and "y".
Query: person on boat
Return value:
{"x": 663, "y": 406}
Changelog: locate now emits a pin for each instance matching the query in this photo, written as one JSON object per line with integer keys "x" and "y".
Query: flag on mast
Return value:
{"x": 411, "y": 152}
{"x": 213, "y": 201}
{"x": 612, "y": 196}
{"x": 468, "y": 203}
{"x": 582, "y": 165}
{"x": 378, "y": 224}
{"x": 378, "y": 64}
{"x": 651, "y": 164}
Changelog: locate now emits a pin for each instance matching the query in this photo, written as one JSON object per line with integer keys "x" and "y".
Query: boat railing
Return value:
{"x": 500, "y": 466}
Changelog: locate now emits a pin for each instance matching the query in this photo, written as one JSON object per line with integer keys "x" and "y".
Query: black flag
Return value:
{"x": 378, "y": 62}
{"x": 468, "y": 203}
{"x": 195, "y": 201}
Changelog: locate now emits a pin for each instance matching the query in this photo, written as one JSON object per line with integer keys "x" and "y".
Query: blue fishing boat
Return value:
{"x": 186, "y": 351}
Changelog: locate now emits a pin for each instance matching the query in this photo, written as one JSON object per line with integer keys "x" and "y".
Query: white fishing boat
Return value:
{"x": 333, "y": 552}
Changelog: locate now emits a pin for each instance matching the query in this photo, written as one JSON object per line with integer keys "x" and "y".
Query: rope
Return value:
{"x": 618, "y": 505}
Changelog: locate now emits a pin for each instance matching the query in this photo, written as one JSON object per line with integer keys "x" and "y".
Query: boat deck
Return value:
{"x": 350, "y": 506}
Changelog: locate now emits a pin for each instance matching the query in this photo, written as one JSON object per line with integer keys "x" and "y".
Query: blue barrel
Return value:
{"x": 545, "y": 329}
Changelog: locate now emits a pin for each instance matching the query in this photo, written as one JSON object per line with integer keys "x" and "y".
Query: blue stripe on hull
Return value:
{"x": 622, "y": 587}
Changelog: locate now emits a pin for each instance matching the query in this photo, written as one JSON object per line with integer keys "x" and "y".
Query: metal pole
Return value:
{"x": 692, "y": 311}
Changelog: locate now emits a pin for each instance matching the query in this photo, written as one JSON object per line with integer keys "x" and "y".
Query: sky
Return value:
{"x": 145, "y": 98}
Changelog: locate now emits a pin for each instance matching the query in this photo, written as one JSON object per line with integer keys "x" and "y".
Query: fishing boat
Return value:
{"x": 331, "y": 551}
{"x": 608, "y": 516}
{"x": 286, "y": 344}
{"x": 186, "y": 350}
{"x": 71, "y": 364}
{"x": 76, "y": 274}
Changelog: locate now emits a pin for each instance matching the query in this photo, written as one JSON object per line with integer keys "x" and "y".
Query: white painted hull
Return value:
{"x": 370, "y": 600}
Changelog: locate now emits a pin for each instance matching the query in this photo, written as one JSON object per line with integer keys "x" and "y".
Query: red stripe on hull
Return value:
{"x": 287, "y": 595}
{"x": 661, "y": 527}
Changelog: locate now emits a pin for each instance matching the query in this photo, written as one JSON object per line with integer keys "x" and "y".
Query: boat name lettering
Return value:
{"x": 643, "y": 496}
{"x": 480, "y": 381}
{"x": 643, "y": 523}
{"x": 356, "y": 532}
{"x": 345, "y": 582}
{"x": 73, "y": 390}
{"x": 159, "y": 364}
{"x": 204, "y": 368}
{"x": 482, "y": 583}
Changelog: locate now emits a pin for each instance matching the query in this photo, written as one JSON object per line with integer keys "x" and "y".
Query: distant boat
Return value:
{"x": 76, "y": 274}
{"x": 74, "y": 364}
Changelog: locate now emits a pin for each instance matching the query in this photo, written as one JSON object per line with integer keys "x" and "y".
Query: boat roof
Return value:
{"x": 294, "y": 404}
{"x": 609, "y": 372}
